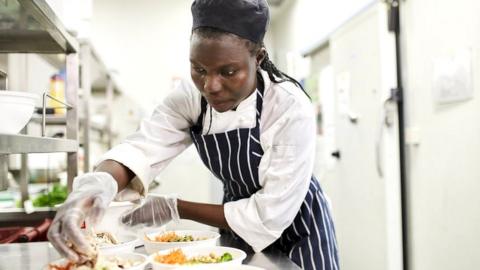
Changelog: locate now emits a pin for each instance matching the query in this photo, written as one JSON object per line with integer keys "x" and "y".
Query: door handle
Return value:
{"x": 336, "y": 154}
{"x": 386, "y": 121}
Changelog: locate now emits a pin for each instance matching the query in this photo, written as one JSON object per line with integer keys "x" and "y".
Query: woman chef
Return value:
{"x": 254, "y": 129}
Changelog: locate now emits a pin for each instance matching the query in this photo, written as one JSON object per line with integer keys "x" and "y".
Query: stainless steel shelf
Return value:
{"x": 50, "y": 120}
{"x": 22, "y": 144}
{"x": 30, "y": 26}
{"x": 18, "y": 215}
{"x": 61, "y": 120}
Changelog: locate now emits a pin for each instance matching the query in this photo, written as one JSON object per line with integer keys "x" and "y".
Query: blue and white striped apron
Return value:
{"x": 234, "y": 157}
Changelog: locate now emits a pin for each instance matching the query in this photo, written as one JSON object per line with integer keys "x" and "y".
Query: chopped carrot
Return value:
{"x": 167, "y": 237}
{"x": 175, "y": 257}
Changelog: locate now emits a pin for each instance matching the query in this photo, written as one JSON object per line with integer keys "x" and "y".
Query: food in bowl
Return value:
{"x": 109, "y": 243}
{"x": 174, "y": 237}
{"x": 108, "y": 254}
{"x": 193, "y": 257}
{"x": 178, "y": 257}
{"x": 162, "y": 240}
{"x": 105, "y": 238}
{"x": 132, "y": 261}
{"x": 111, "y": 263}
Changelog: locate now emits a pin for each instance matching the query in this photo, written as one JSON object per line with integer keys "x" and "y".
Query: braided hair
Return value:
{"x": 273, "y": 72}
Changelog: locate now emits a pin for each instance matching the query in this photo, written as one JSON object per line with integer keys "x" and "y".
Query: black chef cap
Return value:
{"x": 244, "y": 18}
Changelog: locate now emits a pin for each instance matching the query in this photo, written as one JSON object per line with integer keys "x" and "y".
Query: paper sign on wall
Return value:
{"x": 452, "y": 78}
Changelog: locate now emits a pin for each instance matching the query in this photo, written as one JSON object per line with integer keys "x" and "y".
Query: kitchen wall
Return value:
{"x": 147, "y": 42}
{"x": 441, "y": 64}
{"x": 301, "y": 24}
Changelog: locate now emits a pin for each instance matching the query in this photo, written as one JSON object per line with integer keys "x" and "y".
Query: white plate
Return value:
{"x": 126, "y": 255}
{"x": 154, "y": 246}
{"x": 245, "y": 267}
{"x": 221, "y": 267}
{"x": 237, "y": 255}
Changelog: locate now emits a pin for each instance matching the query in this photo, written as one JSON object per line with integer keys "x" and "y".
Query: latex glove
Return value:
{"x": 91, "y": 194}
{"x": 155, "y": 211}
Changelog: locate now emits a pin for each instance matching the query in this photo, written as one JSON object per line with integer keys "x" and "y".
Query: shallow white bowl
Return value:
{"x": 154, "y": 246}
{"x": 244, "y": 267}
{"x": 221, "y": 267}
{"x": 126, "y": 255}
{"x": 237, "y": 254}
{"x": 127, "y": 244}
{"x": 16, "y": 109}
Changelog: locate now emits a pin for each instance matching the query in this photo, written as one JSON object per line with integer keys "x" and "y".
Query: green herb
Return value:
{"x": 56, "y": 196}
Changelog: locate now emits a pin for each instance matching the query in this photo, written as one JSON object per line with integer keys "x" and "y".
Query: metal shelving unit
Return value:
{"x": 30, "y": 26}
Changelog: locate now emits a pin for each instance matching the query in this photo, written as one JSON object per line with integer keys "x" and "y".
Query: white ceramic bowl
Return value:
{"x": 221, "y": 267}
{"x": 16, "y": 109}
{"x": 128, "y": 256}
{"x": 127, "y": 244}
{"x": 237, "y": 254}
{"x": 245, "y": 267}
{"x": 154, "y": 246}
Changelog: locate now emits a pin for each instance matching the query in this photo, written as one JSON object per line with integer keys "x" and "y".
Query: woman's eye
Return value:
{"x": 229, "y": 72}
{"x": 199, "y": 70}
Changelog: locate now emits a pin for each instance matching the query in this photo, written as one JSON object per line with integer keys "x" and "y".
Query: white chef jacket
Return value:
{"x": 287, "y": 136}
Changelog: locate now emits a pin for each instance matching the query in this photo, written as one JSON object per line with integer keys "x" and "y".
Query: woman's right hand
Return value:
{"x": 90, "y": 197}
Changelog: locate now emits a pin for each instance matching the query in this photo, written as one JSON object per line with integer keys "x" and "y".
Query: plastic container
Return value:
{"x": 57, "y": 90}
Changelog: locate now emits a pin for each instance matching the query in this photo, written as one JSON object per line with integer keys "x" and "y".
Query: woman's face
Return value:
{"x": 222, "y": 69}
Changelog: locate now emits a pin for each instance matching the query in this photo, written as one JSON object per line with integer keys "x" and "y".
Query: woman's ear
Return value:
{"x": 261, "y": 56}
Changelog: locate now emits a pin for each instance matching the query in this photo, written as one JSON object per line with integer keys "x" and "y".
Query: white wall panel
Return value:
{"x": 443, "y": 168}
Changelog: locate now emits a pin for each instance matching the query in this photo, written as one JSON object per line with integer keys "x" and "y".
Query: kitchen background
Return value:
{"x": 397, "y": 105}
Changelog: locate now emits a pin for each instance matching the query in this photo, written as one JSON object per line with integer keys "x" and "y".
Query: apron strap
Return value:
{"x": 198, "y": 126}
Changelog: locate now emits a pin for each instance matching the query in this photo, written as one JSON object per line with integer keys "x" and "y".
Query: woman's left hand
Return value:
{"x": 155, "y": 211}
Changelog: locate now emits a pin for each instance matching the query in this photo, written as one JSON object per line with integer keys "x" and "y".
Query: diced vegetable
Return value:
{"x": 226, "y": 257}
{"x": 173, "y": 237}
{"x": 178, "y": 257}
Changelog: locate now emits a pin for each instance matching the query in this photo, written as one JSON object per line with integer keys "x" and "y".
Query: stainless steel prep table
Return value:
{"x": 34, "y": 256}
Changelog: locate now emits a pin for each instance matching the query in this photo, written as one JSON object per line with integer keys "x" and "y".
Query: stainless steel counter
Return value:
{"x": 34, "y": 256}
